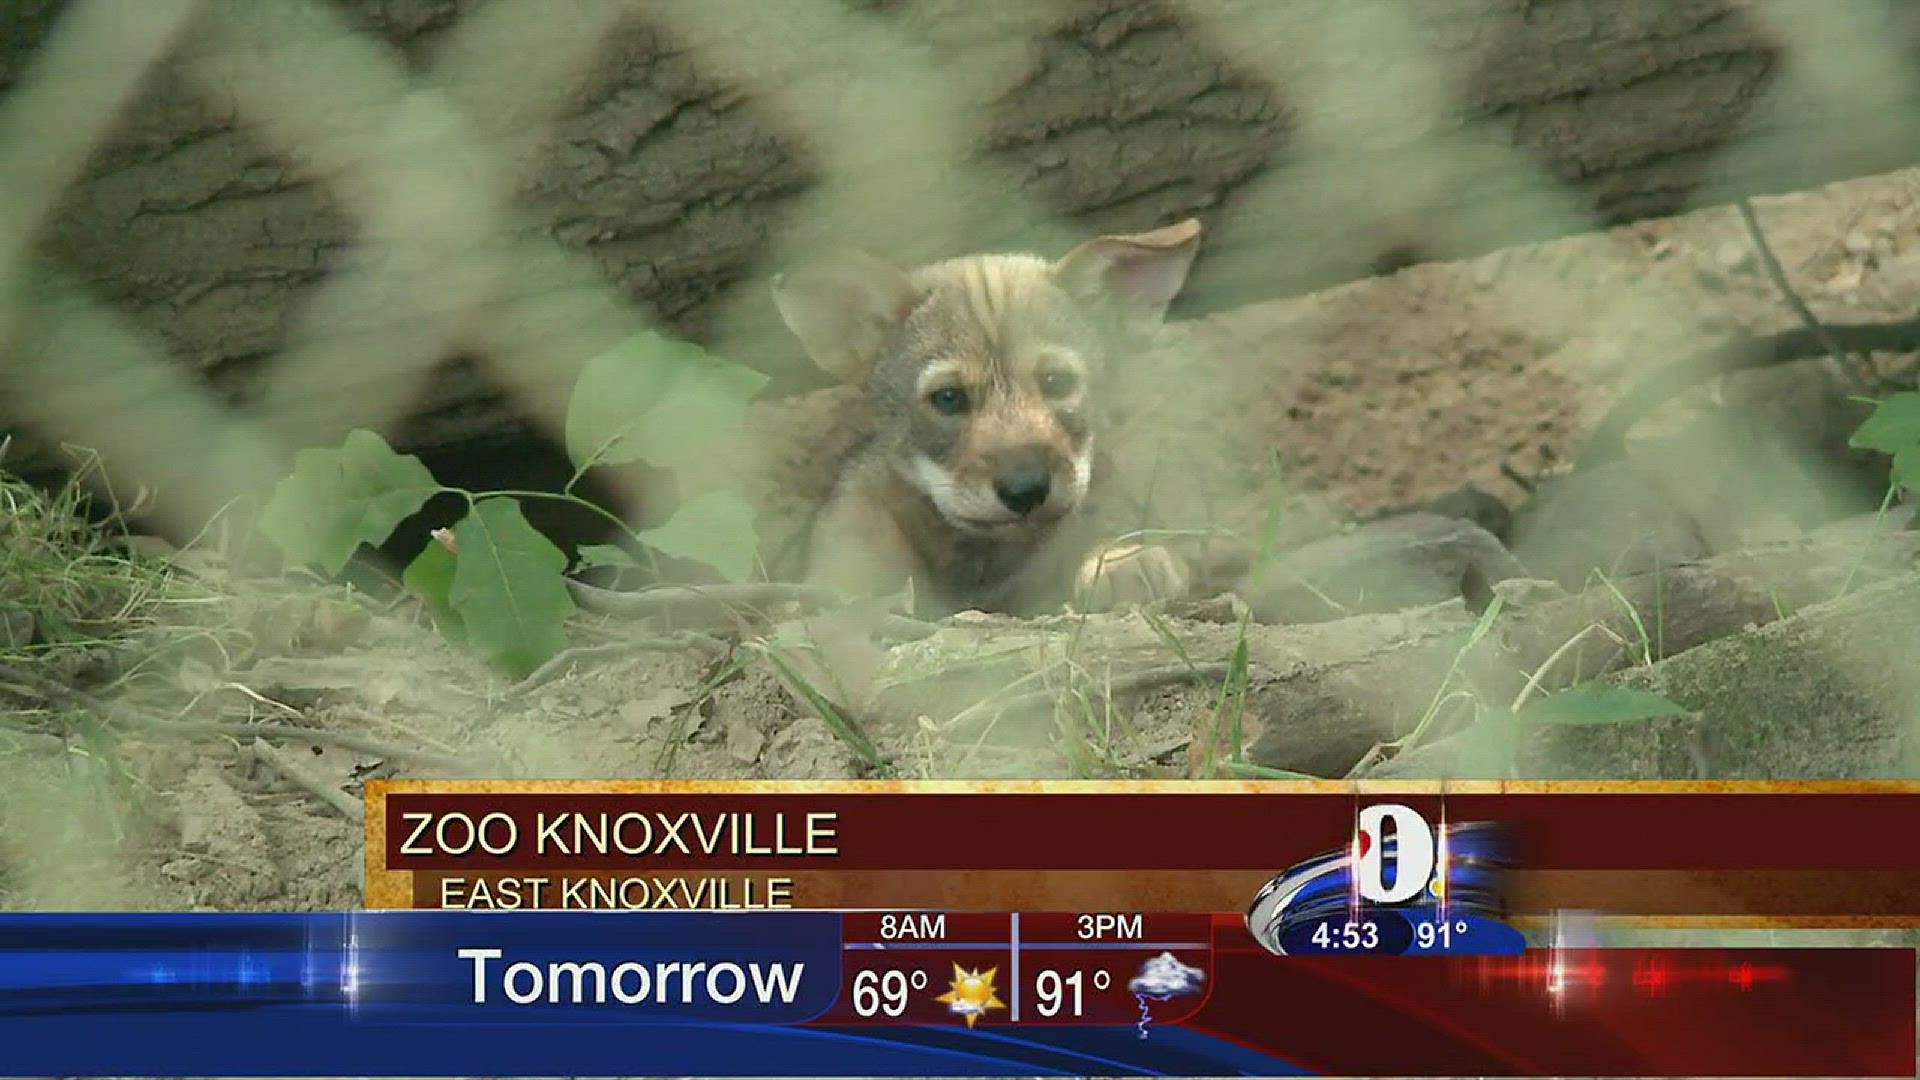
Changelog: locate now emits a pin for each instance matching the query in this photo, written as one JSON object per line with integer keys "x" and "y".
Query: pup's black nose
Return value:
{"x": 1023, "y": 485}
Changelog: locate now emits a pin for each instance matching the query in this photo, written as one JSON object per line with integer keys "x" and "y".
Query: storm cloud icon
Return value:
{"x": 1165, "y": 977}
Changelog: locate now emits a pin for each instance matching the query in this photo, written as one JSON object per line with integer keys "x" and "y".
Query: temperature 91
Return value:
{"x": 885, "y": 993}
{"x": 1057, "y": 992}
{"x": 1428, "y": 935}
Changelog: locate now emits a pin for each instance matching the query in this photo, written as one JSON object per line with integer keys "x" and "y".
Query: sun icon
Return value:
{"x": 971, "y": 994}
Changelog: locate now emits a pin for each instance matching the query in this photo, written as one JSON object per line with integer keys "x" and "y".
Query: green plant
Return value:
{"x": 1490, "y": 742}
{"x": 1894, "y": 429}
{"x": 493, "y": 583}
{"x": 1490, "y": 745}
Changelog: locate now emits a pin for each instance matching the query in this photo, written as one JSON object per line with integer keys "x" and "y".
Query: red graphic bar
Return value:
{"x": 1704, "y": 1012}
{"x": 1104, "y": 829}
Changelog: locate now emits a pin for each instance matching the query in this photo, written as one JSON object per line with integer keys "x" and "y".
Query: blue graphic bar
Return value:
{"x": 821, "y": 993}
{"x": 434, "y": 993}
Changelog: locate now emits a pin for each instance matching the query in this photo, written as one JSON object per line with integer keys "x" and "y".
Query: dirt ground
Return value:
{"x": 1380, "y": 394}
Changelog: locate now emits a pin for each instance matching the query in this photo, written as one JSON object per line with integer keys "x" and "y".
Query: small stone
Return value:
{"x": 644, "y": 710}
{"x": 1733, "y": 255}
{"x": 1225, "y": 609}
{"x": 1406, "y": 560}
{"x": 745, "y": 741}
{"x": 808, "y": 749}
{"x": 1529, "y": 592}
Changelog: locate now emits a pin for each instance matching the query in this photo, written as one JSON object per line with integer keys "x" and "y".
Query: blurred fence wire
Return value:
{"x": 429, "y": 159}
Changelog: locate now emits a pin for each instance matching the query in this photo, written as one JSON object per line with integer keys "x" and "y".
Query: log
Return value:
{"x": 1319, "y": 697}
{"x": 1664, "y": 613}
{"x": 1828, "y": 693}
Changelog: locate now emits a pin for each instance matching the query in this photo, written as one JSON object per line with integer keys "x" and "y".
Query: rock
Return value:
{"x": 808, "y": 749}
{"x": 1222, "y": 608}
{"x": 1469, "y": 503}
{"x": 1528, "y": 592}
{"x": 1733, "y": 255}
{"x": 1393, "y": 564}
{"x": 640, "y": 712}
{"x": 745, "y": 741}
{"x": 1609, "y": 518}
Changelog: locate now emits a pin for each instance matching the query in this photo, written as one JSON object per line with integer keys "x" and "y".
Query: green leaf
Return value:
{"x": 605, "y": 555}
{"x": 656, "y": 400}
{"x": 430, "y": 577}
{"x": 508, "y": 588}
{"x": 716, "y": 529}
{"x": 1894, "y": 426}
{"x": 1488, "y": 748}
{"x": 1595, "y": 704}
{"x": 1906, "y": 468}
{"x": 336, "y": 500}
{"x": 1261, "y": 772}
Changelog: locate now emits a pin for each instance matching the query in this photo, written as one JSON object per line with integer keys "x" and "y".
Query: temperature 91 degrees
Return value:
{"x": 1428, "y": 935}
{"x": 1063, "y": 995}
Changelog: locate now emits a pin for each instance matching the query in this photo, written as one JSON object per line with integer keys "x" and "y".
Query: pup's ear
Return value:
{"x": 1145, "y": 271}
{"x": 842, "y": 310}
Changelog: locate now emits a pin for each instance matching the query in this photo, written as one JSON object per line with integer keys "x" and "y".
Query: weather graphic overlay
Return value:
{"x": 1282, "y": 936}
{"x": 971, "y": 994}
{"x": 1163, "y": 978}
{"x": 1401, "y": 887}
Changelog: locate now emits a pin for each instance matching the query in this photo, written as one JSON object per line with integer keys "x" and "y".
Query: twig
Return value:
{"x": 676, "y": 601}
{"x": 1375, "y": 754}
{"x": 126, "y": 714}
{"x": 666, "y": 642}
{"x": 1778, "y": 275}
{"x": 1519, "y": 480}
{"x": 279, "y": 762}
{"x": 1132, "y": 682}
{"x": 900, "y": 628}
{"x": 1412, "y": 740}
{"x": 359, "y": 744}
{"x": 28, "y": 739}
{"x": 1533, "y": 681}
{"x": 1747, "y": 354}
{"x": 712, "y": 605}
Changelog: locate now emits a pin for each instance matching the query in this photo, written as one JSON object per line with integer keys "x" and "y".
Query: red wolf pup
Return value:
{"x": 983, "y": 377}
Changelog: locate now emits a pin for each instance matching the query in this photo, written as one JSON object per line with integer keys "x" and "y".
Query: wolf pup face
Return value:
{"x": 981, "y": 371}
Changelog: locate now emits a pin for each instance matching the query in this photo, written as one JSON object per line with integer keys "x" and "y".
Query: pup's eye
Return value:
{"x": 948, "y": 401}
{"x": 1059, "y": 384}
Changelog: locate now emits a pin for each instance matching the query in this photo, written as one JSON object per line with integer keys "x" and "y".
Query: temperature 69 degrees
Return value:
{"x": 1058, "y": 994}
{"x": 886, "y": 993}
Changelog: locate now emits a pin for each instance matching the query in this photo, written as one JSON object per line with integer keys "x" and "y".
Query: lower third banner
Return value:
{"x": 435, "y": 993}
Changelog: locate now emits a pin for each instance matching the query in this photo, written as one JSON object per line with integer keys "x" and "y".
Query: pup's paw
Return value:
{"x": 1118, "y": 574}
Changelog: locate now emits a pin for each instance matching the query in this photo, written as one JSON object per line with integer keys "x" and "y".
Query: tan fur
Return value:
{"x": 982, "y": 378}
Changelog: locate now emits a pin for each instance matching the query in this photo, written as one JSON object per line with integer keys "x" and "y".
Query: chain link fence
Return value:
{"x": 435, "y": 161}
{"x": 429, "y": 160}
